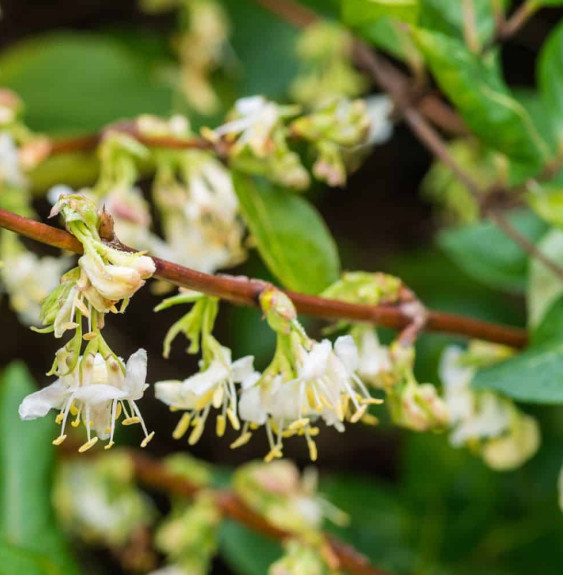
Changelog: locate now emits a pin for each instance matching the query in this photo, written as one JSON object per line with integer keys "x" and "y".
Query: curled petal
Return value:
{"x": 39, "y": 403}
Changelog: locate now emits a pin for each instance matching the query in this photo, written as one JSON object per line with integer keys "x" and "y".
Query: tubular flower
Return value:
{"x": 489, "y": 424}
{"x": 95, "y": 391}
{"x": 307, "y": 381}
{"x": 212, "y": 387}
{"x": 258, "y": 141}
{"x": 199, "y": 211}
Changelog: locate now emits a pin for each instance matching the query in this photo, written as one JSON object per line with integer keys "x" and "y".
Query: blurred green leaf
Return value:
{"x": 488, "y": 255}
{"x": 28, "y": 530}
{"x": 544, "y": 286}
{"x": 291, "y": 236}
{"x": 379, "y": 521}
{"x": 475, "y": 86}
{"x": 388, "y": 34}
{"x": 73, "y": 82}
{"x": 547, "y": 202}
{"x": 447, "y": 17}
{"x": 268, "y": 71}
{"x": 362, "y": 12}
{"x": 550, "y": 74}
{"x": 247, "y": 552}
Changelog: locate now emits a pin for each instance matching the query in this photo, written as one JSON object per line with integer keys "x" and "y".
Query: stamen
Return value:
{"x": 233, "y": 419}
{"x": 313, "y": 453}
{"x": 131, "y": 421}
{"x": 369, "y": 419}
{"x": 89, "y": 336}
{"x": 59, "y": 418}
{"x": 109, "y": 445}
{"x": 59, "y": 440}
{"x": 299, "y": 423}
{"x": 147, "y": 439}
{"x": 221, "y": 425}
{"x": 359, "y": 414}
{"x": 182, "y": 426}
{"x": 195, "y": 435}
{"x": 88, "y": 445}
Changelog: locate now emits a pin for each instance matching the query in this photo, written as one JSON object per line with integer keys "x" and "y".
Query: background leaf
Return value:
{"x": 550, "y": 75}
{"x": 28, "y": 531}
{"x": 447, "y": 17}
{"x": 488, "y": 255}
{"x": 291, "y": 237}
{"x": 71, "y": 81}
{"x": 475, "y": 86}
{"x": 544, "y": 287}
{"x": 365, "y": 11}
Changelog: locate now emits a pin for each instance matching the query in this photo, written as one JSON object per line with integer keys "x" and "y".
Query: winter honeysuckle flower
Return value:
{"x": 489, "y": 424}
{"x": 374, "y": 359}
{"x": 379, "y": 110}
{"x": 10, "y": 167}
{"x": 284, "y": 497}
{"x": 258, "y": 141}
{"x": 28, "y": 279}
{"x": 212, "y": 387}
{"x": 301, "y": 559}
{"x": 96, "y": 391}
{"x": 97, "y": 500}
{"x": 325, "y": 387}
{"x": 199, "y": 211}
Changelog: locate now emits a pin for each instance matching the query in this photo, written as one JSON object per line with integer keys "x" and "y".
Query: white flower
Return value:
{"x": 379, "y": 110}
{"x": 326, "y": 387}
{"x": 213, "y": 387}
{"x": 457, "y": 379}
{"x": 374, "y": 358}
{"x": 29, "y": 279}
{"x": 96, "y": 390}
{"x": 10, "y": 168}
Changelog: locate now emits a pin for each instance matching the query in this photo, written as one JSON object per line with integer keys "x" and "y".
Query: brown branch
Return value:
{"x": 246, "y": 292}
{"x": 508, "y": 28}
{"x": 154, "y": 474}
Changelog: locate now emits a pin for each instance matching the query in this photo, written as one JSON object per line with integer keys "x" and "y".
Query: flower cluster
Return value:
{"x": 257, "y": 138}
{"x": 306, "y": 382}
{"x": 98, "y": 501}
{"x": 325, "y": 54}
{"x": 390, "y": 368}
{"x": 490, "y": 425}
{"x": 301, "y": 559}
{"x": 335, "y": 128}
{"x": 94, "y": 385}
{"x": 201, "y": 46}
{"x": 199, "y": 210}
{"x": 287, "y": 500}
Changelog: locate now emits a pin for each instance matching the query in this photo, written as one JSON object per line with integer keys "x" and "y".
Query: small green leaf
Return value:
{"x": 547, "y": 202}
{"x": 448, "y": 18}
{"x": 291, "y": 237}
{"x": 27, "y": 522}
{"x": 362, "y": 12}
{"x": 544, "y": 286}
{"x": 550, "y": 73}
{"x": 486, "y": 254}
{"x": 475, "y": 86}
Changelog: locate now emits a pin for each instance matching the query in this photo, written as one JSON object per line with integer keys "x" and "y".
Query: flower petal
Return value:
{"x": 39, "y": 403}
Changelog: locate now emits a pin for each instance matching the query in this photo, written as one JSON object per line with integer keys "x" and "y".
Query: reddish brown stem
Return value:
{"x": 154, "y": 474}
{"x": 246, "y": 291}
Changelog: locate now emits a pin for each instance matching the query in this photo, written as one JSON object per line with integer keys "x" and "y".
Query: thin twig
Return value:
{"x": 246, "y": 291}
{"x": 154, "y": 474}
{"x": 506, "y": 29}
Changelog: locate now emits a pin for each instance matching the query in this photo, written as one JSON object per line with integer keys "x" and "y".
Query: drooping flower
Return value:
{"x": 489, "y": 424}
{"x": 96, "y": 391}
{"x": 257, "y": 140}
{"x": 214, "y": 387}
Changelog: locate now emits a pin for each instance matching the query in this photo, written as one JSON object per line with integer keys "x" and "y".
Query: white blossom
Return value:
{"x": 10, "y": 166}
{"x": 96, "y": 390}
{"x": 379, "y": 110}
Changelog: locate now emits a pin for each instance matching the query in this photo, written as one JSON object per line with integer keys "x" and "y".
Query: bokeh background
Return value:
{"x": 417, "y": 505}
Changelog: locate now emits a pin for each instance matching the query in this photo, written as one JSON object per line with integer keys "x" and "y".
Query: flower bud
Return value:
{"x": 279, "y": 310}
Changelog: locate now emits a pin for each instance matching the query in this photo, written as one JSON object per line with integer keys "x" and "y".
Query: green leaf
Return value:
{"x": 291, "y": 236}
{"x": 447, "y": 17}
{"x": 544, "y": 286}
{"x": 247, "y": 552}
{"x": 550, "y": 74}
{"x": 361, "y": 12}
{"x": 269, "y": 71}
{"x": 74, "y": 82}
{"x": 488, "y": 255}
{"x": 379, "y": 521}
{"x": 389, "y": 35}
{"x": 475, "y": 86}
{"x": 27, "y": 522}
{"x": 547, "y": 202}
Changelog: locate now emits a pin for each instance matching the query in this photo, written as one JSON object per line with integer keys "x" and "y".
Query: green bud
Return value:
{"x": 279, "y": 310}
